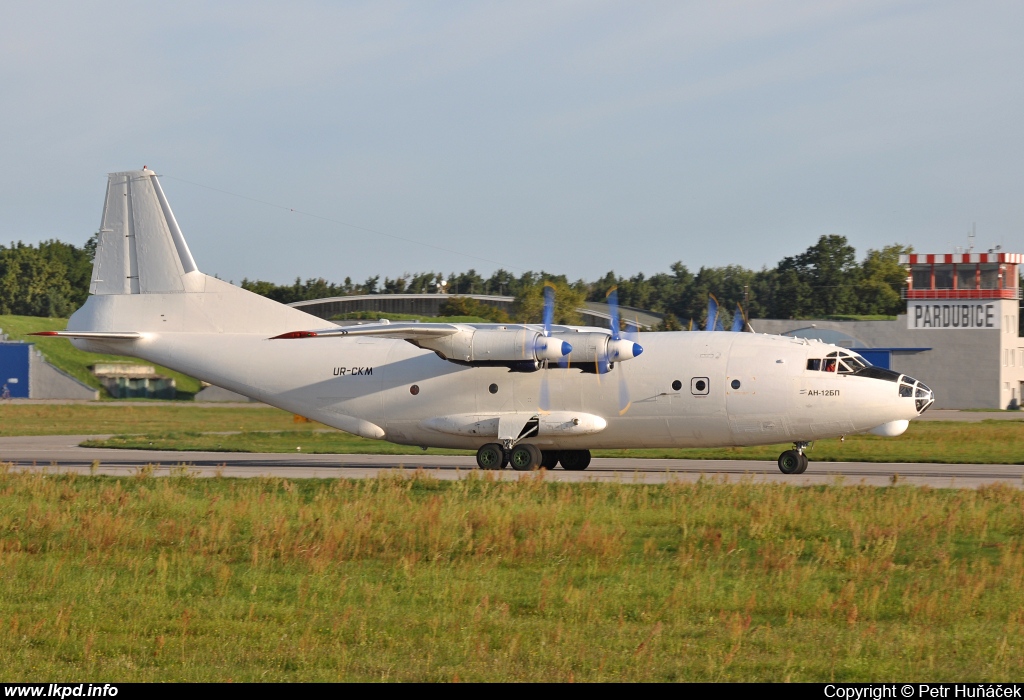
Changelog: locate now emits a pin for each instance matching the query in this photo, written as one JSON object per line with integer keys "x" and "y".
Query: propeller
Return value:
{"x": 739, "y": 319}
{"x": 619, "y": 349}
{"x": 712, "y": 320}
{"x": 549, "y": 348}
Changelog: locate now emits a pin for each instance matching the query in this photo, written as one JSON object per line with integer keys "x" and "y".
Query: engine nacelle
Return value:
{"x": 518, "y": 348}
{"x": 590, "y": 349}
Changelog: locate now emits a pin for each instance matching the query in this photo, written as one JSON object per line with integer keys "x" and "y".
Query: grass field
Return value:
{"x": 265, "y": 429}
{"x": 413, "y": 579}
{"x": 140, "y": 417}
{"x": 60, "y": 353}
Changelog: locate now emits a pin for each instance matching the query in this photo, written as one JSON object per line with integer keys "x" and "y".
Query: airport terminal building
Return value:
{"x": 959, "y": 335}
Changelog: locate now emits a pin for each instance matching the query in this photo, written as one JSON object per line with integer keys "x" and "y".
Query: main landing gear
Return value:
{"x": 525, "y": 458}
{"x": 794, "y": 461}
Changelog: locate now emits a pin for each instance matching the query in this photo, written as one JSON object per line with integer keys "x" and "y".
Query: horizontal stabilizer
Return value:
{"x": 92, "y": 335}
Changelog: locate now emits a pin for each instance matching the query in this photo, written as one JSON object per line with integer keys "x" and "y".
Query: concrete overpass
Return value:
{"x": 592, "y": 313}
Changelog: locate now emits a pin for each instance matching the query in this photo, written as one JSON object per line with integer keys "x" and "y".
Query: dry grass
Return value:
{"x": 412, "y": 579}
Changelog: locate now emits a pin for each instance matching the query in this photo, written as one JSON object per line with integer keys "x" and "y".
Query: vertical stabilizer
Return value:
{"x": 140, "y": 249}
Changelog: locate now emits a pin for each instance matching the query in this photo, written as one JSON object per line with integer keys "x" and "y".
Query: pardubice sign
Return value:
{"x": 945, "y": 314}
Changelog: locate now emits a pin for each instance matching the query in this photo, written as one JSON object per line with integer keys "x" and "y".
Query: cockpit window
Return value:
{"x": 857, "y": 362}
{"x": 906, "y": 390}
{"x": 838, "y": 362}
{"x": 843, "y": 363}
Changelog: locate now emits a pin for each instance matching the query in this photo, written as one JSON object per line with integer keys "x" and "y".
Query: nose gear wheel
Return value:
{"x": 794, "y": 461}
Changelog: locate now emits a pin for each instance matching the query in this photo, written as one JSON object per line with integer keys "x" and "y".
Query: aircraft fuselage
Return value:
{"x": 689, "y": 389}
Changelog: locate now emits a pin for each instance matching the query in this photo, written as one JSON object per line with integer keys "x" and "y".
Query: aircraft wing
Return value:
{"x": 402, "y": 331}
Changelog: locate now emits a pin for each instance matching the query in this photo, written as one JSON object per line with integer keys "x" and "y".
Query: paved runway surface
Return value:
{"x": 62, "y": 453}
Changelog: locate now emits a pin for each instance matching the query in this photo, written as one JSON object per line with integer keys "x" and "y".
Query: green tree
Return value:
{"x": 881, "y": 279}
{"x": 467, "y": 306}
{"x": 529, "y": 303}
{"x": 669, "y": 323}
{"x": 33, "y": 284}
{"x": 818, "y": 282}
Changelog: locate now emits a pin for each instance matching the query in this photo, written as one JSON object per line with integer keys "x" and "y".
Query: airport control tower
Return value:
{"x": 965, "y": 306}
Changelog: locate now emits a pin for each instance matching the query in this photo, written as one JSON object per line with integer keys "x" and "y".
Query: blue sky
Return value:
{"x": 577, "y": 137}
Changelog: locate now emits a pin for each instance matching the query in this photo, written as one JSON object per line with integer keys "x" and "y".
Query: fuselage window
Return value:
{"x": 814, "y": 365}
{"x": 677, "y": 385}
{"x": 699, "y": 386}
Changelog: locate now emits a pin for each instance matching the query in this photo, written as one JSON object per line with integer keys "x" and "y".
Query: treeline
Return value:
{"x": 825, "y": 280}
{"x": 49, "y": 279}
{"x": 52, "y": 279}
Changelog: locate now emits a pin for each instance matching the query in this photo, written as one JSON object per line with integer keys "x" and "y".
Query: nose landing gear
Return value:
{"x": 794, "y": 461}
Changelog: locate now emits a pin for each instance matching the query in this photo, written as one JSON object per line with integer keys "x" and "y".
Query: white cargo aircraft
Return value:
{"x": 529, "y": 395}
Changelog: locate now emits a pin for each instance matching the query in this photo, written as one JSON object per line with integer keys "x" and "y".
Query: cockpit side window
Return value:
{"x": 814, "y": 365}
{"x": 843, "y": 363}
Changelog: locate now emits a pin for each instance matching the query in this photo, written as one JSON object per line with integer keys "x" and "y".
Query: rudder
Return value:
{"x": 140, "y": 249}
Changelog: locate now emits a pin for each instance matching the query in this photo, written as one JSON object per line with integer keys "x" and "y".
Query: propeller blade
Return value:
{"x": 544, "y": 400}
{"x": 712, "y": 320}
{"x": 632, "y": 332}
{"x": 549, "y": 307}
{"x": 557, "y": 350}
{"x": 624, "y": 402}
{"x": 737, "y": 320}
{"x": 613, "y": 309}
{"x": 619, "y": 349}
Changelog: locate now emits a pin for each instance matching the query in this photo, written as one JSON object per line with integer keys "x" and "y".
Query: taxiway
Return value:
{"x": 60, "y": 453}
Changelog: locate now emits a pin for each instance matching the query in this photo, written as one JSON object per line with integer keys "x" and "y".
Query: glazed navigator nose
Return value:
{"x": 922, "y": 395}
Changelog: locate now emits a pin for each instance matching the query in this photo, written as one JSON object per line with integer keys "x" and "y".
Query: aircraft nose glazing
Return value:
{"x": 923, "y": 396}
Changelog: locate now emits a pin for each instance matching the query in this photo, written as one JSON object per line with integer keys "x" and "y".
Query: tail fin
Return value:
{"x": 140, "y": 248}
{"x": 145, "y": 280}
